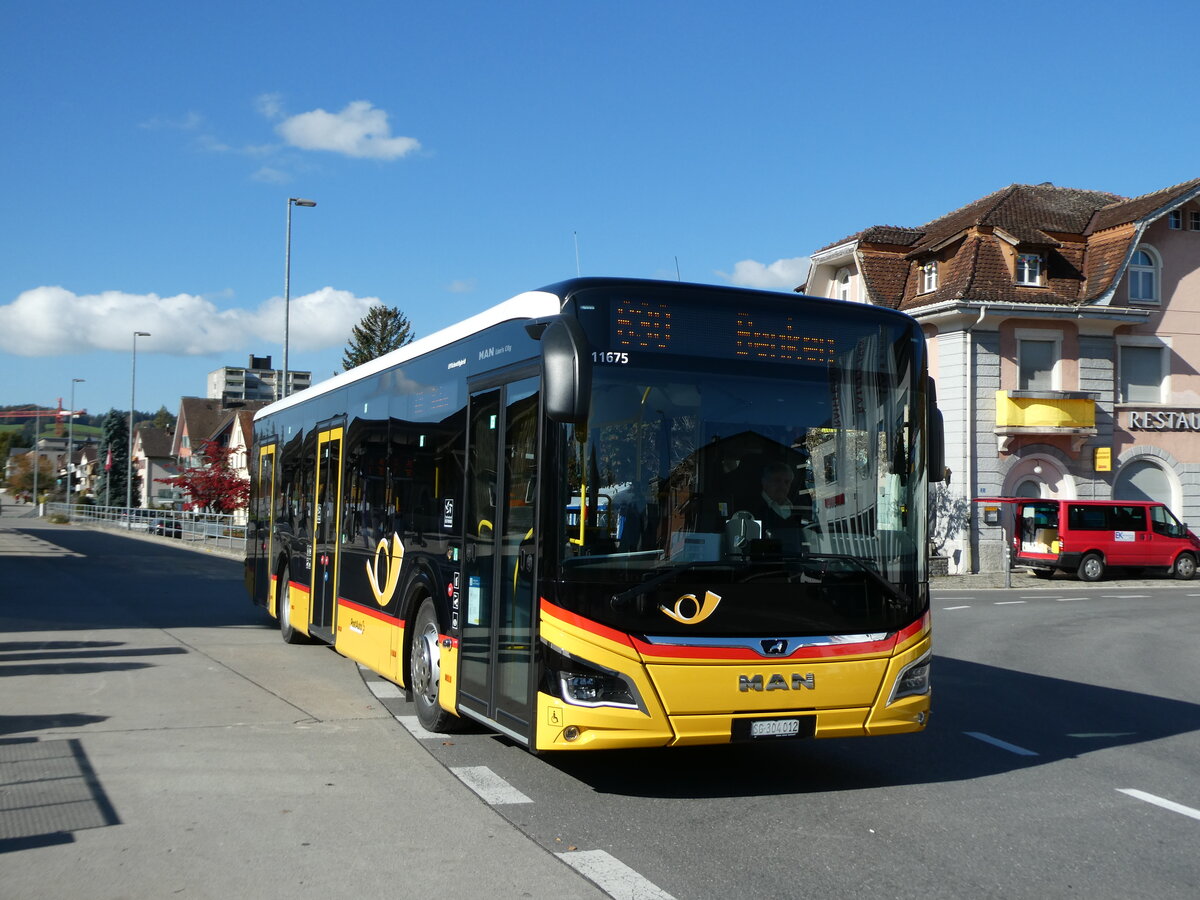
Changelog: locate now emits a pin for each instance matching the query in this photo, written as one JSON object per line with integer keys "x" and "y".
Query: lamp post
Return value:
{"x": 129, "y": 459}
{"x": 71, "y": 442}
{"x": 287, "y": 288}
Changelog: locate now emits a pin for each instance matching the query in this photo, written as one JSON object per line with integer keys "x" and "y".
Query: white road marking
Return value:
{"x": 385, "y": 690}
{"x": 1126, "y": 596}
{"x": 1064, "y": 599}
{"x": 487, "y": 784}
{"x": 955, "y": 607}
{"x": 1009, "y": 602}
{"x": 1159, "y": 801}
{"x": 413, "y": 724}
{"x": 614, "y": 877}
{"x": 996, "y": 742}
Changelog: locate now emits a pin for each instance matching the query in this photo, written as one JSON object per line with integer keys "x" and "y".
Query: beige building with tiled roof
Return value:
{"x": 1064, "y": 334}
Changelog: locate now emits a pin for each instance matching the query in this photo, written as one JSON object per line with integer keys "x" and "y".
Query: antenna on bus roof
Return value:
{"x": 577, "y": 272}
{"x": 678, "y": 277}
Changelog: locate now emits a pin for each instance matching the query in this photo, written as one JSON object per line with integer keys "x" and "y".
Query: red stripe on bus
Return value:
{"x": 570, "y": 618}
{"x": 374, "y": 613}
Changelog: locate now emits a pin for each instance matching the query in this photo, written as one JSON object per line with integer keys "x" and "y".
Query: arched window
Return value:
{"x": 1143, "y": 479}
{"x": 1143, "y": 276}
{"x": 844, "y": 283}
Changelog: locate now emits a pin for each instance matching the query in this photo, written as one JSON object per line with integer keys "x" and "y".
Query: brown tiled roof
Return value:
{"x": 1025, "y": 211}
{"x": 156, "y": 442}
{"x": 1126, "y": 211}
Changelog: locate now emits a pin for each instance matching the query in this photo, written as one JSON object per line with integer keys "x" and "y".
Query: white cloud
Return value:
{"x": 783, "y": 274}
{"x": 359, "y": 130}
{"x": 270, "y": 105}
{"x": 461, "y": 286}
{"x": 52, "y": 321}
{"x": 271, "y": 175}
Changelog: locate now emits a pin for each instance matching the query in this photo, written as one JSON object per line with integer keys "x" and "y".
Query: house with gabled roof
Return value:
{"x": 1064, "y": 335}
{"x": 152, "y": 459}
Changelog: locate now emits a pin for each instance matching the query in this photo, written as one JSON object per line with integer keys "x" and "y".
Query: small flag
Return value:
{"x": 108, "y": 462}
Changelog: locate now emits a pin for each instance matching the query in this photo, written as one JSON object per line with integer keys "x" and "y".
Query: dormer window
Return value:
{"x": 1029, "y": 269}
{"x": 843, "y": 289}
{"x": 1194, "y": 218}
{"x": 1175, "y": 220}
{"x": 929, "y": 276}
{"x": 1143, "y": 277}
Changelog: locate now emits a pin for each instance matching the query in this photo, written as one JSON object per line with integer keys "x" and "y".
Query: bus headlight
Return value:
{"x": 587, "y": 684}
{"x": 913, "y": 679}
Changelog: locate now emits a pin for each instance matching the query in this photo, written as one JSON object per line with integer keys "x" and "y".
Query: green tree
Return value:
{"x": 116, "y": 441}
{"x": 163, "y": 418}
{"x": 382, "y": 330}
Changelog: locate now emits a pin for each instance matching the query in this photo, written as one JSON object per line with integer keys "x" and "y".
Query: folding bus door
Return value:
{"x": 327, "y": 526}
{"x": 263, "y": 535}
{"x": 496, "y": 674}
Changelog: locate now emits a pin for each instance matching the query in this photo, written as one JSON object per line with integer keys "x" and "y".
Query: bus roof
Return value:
{"x": 529, "y": 305}
{"x": 545, "y": 301}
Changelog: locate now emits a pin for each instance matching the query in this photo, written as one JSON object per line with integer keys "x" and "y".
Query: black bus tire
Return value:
{"x": 283, "y": 611}
{"x": 1091, "y": 567}
{"x": 1185, "y": 567}
{"x": 424, "y": 669}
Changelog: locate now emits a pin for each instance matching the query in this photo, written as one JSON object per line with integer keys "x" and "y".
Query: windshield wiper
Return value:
{"x": 623, "y": 599}
{"x": 897, "y": 599}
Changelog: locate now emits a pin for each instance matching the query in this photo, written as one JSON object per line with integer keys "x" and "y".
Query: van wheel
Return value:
{"x": 1185, "y": 567}
{"x": 1044, "y": 573}
{"x": 1091, "y": 568}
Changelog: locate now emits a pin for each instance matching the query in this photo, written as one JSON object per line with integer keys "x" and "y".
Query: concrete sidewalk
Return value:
{"x": 157, "y": 738}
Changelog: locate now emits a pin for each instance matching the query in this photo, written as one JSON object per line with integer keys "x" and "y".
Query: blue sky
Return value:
{"x": 456, "y": 150}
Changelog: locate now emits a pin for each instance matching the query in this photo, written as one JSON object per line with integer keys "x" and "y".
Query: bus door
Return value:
{"x": 265, "y": 545}
{"x": 496, "y": 658}
{"x": 327, "y": 526}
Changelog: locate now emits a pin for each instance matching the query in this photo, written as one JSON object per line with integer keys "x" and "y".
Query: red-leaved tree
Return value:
{"x": 212, "y": 486}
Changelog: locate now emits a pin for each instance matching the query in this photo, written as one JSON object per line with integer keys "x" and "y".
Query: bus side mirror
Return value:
{"x": 935, "y": 432}
{"x": 566, "y": 371}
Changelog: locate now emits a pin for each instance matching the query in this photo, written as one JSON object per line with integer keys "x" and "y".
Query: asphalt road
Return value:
{"x": 1061, "y": 760}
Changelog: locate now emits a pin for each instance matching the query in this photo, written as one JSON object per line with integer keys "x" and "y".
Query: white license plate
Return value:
{"x": 775, "y": 728}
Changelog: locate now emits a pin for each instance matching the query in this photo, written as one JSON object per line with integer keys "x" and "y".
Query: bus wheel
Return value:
{"x": 1185, "y": 567}
{"x": 283, "y": 609}
{"x": 1091, "y": 568}
{"x": 425, "y": 671}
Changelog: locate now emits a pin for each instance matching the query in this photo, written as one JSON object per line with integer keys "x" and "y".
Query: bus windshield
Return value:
{"x": 728, "y": 472}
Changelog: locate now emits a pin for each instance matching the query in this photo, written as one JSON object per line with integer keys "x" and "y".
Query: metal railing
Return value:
{"x": 209, "y": 530}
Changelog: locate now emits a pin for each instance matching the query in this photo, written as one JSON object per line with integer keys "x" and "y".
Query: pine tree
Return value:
{"x": 116, "y": 442}
{"x": 382, "y": 330}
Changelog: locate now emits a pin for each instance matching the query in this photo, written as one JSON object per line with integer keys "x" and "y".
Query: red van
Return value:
{"x": 1090, "y": 536}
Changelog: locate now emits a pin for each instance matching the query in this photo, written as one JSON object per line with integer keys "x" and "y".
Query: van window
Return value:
{"x": 1106, "y": 518}
{"x": 1164, "y": 523}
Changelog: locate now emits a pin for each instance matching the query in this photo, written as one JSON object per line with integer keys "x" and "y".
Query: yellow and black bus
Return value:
{"x": 618, "y": 513}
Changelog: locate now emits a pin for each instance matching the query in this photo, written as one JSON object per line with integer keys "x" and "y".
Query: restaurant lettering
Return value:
{"x": 1164, "y": 420}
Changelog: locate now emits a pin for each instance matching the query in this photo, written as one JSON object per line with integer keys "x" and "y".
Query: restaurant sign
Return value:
{"x": 1164, "y": 420}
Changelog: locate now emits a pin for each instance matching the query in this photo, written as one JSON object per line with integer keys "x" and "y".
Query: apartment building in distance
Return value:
{"x": 1064, "y": 335}
{"x": 255, "y": 381}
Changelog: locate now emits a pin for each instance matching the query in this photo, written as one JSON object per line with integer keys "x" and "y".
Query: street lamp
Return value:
{"x": 71, "y": 441}
{"x": 287, "y": 288}
{"x": 129, "y": 459}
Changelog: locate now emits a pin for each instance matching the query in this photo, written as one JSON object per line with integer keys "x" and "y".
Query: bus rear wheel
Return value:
{"x": 283, "y": 610}
{"x": 1091, "y": 567}
{"x": 1185, "y": 567}
{"x": 425, "y": 671}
